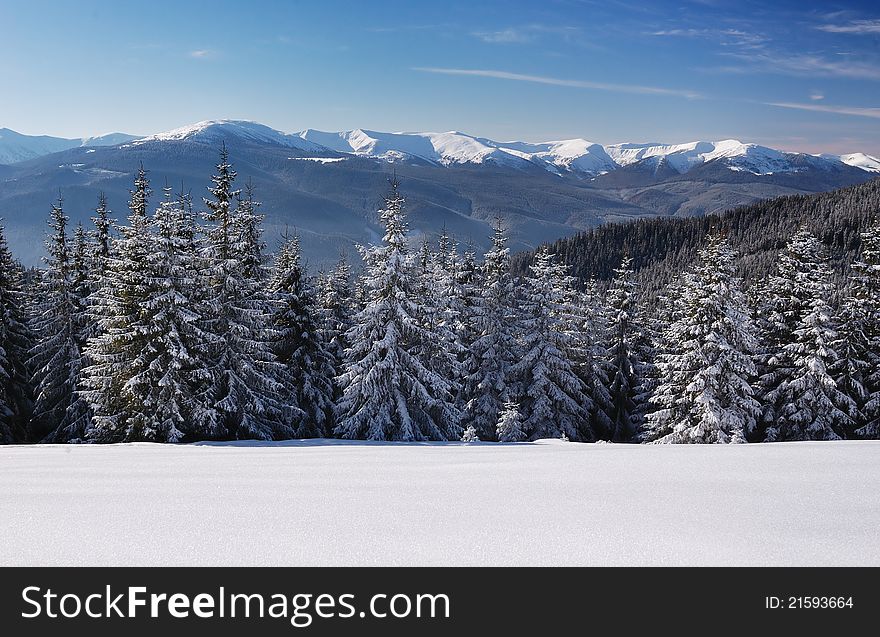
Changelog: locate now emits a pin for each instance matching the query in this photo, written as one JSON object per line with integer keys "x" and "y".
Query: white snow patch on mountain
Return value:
{"x": 320, "y": 160}
{"x": 863, "y": 161}
{"x": 344, "y": 503}
{"x": 110, "y": 139}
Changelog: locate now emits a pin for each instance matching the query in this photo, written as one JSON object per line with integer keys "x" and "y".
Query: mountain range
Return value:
{"x": 327, "y": 185}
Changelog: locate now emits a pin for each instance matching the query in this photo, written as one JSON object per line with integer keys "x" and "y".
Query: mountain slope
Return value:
{"x": 662, "y": 248}
{"x": 327, "y": 186}
{"x": 15, "y": 147}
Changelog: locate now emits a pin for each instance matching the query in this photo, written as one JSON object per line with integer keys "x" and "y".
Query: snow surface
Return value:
{"x": 356, "y": 503}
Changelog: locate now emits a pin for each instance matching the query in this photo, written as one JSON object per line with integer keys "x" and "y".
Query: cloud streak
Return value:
{"x": 553, "y": 81}
{"x": 800, "y": 66}
{"x": 202, "y": 54}
{"x": 855, "y": 111}
{"x": 526, "y": 34}
{"x": 858, "y": 27}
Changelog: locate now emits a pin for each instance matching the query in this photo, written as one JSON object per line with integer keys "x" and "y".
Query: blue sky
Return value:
{"x": 794, "y": 75}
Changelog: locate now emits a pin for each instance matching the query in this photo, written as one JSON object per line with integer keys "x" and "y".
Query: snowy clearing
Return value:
{"x": 358, "y": 503}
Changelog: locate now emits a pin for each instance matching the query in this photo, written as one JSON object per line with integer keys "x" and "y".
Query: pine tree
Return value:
{"x": 705, "y": 393}
{"x": 308, "y": 380}
{"x": 803, "y": 398}
{"x": 554, "y": 398}
{"x": 865, "y": 301}
{"x": 626, "y": 347}
{"x": 56, "y": 359}
{"x": 16, "y": 400}
{"x": 493, "y": 348}
{"x": 388, "y": 391}
{"x": 510, "y": 426}
{"x": 245, "y": 389}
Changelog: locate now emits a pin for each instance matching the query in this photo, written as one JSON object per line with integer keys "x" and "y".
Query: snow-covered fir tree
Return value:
{"x": 783, "y": 299}
{"x": 103, "y": 234}
{"x": 335, "y": 310}
{"x": 800, "y": 394}
{"x": 705, "y": 393}
{"x": 443, "y": 295}
{"x": 553, "y": 398}
{"x": 299, "y": 346}
{"x": 246, "y": 392}
{"x": 16, "y": 401}
{"x": 510, "y": 426}
{"x": 166, "y": 370}
{"x": 389, "y": 393}
{"x": 56, "y": 359}
{"x": 626, "y": 350}
{"x": 470, "y": 435}
{"x": 584, "y": 318}
{"x": 493, "y": 350}
{"x": 119, "y": 302}
{"x": 864, "y": 300}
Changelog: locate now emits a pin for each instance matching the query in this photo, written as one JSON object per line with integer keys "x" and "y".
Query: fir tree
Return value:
{"x": 554, "y": 398}
{"x": 16, "y": 401}
{"x": 388, "y": 391}
{"x": 470, "y": 435}
{"x": 493, "y": 348}
{"x": 865, "y": 301}
{"x": 510, "y": 427}
{"x": 56, "y": 359}
{"x": 803, "y": 398}
{"x": 245, "y": 389}
{"x": 163, "y": 373}
{"x": 103, "y": 234}
{"x": 299, "y": 346}
{"x": 119, "y": 304}
{"x": 705, "y": 393}
{"x": 626, "y": 353}
{"x": 334, "y": 299}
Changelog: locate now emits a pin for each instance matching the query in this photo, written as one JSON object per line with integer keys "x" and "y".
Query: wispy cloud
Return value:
{"x": 856, "y": 111}
{"x": 505, "y": 36}
{"x": 725, "y": 37}
{"x": 859, "y": 27}
{"x": 553, "y": 81}
{"x": 527, "y": 33}
{"x": 202, "y": 54}
{"x": 800, "y": 65}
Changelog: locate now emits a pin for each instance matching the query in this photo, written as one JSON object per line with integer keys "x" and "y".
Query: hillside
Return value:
{"x": 327, "y": 185}
{"x": 663, "y": 247}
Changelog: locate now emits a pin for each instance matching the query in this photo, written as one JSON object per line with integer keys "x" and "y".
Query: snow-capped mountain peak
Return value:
{"x": 576, "y": 156}
{"x": 209, "y": 131}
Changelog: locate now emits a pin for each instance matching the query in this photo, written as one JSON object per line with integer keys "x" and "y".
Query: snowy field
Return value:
{"x": 338, "y": 503}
